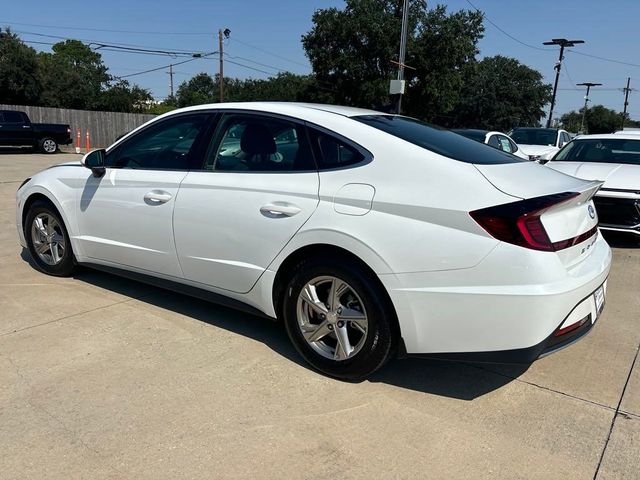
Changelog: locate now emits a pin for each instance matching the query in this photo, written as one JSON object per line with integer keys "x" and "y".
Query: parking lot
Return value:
{"x": 102, "y": 377}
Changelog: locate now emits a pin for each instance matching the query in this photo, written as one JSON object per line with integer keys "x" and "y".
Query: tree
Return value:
{"x": 599, "y": 119}
{"x": 124, "y": 97}
{"x": 198, "y": 90}
{"x": 19, "y": 81}
{"x": 351, "y": 51}
{"x": 500, "y": 93}
{"x": 73, "y": 76}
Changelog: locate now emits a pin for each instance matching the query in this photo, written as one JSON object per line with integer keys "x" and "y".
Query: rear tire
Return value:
{"x": 48, "y": 240}
{"x": 48, "y": 145}
{"x": 347, "y": 335}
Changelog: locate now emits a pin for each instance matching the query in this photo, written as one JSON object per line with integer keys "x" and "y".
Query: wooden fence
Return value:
{"x": 103, "y": 127}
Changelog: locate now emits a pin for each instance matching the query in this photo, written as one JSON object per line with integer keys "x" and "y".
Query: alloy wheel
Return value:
{"x": 332, "y": 318}
{"x": 48, "y": 239}
{"x": 49, "y": 146}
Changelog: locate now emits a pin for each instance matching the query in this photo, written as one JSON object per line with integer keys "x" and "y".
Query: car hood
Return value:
{"x": 537, "y": 149}
{"x": 615, "y": 175}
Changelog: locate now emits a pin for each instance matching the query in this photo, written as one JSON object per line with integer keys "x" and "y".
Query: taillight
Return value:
{"x": 519, "y": 223}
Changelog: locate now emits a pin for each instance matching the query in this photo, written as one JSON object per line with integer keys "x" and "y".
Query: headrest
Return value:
{"x": 257, "y": 140}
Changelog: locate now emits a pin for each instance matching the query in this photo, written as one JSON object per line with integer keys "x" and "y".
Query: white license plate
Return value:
{"x": 598, "y": 295}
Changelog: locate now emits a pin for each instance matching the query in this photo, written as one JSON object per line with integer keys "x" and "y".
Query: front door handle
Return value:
{"x": 157, "y": 197}
{"x": 279, "y": 209}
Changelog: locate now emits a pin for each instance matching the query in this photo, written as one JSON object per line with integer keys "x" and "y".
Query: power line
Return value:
{"x": 604, "y": 58}
{"x": 164, "y": 67}
{"x": 270, "y": 53}
{"x": 87, "y": 29}
{"x": 89, "y": 41}
{"x": 506, "y": 33}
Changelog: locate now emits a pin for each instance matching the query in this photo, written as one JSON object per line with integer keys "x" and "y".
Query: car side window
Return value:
{"x": 505, "y": 145}
{"x": 166, "y": 145}
{"x": 13, "y": 117}
{"x": 333, "y": 152}
{"x": 514, "y": 147}
{"x": 255, "y": 143}
{"x": 494, "y": 142}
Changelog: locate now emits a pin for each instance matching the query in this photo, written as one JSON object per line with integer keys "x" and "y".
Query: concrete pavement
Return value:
{"x": 102, "y": 377}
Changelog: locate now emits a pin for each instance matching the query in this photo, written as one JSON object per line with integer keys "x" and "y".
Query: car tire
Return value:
{"x": 48, "y": 240}
{"x": 48, "y": 145}
{"x": 369, "y": 333}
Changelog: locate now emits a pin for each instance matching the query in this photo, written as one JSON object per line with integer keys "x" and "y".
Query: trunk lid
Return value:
{"x": 571, "y": 218}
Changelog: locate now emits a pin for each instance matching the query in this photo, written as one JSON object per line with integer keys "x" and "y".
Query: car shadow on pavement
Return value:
{"x": 464, "y": 381}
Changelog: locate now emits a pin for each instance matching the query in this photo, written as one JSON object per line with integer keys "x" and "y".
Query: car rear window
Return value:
{"x": 437, "y": 140}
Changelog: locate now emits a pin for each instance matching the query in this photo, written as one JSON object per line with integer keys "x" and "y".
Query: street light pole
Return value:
{"x": 563, "y": 42}
{"x": 586, "y": 101}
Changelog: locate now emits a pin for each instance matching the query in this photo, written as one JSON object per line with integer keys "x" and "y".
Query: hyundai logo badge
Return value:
{"x": 592, "y": 211}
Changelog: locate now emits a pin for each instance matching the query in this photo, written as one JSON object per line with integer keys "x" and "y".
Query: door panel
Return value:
{"x": 230, "y": 226}
{"x": 125, "y": 217}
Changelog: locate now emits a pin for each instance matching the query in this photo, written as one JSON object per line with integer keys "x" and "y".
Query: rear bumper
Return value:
{"x": 549, "y": 345}
{"x": 506, "y": 309}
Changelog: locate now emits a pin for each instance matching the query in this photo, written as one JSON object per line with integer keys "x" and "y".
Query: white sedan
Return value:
{"x": 498, "y": 140}
{"x": 540, "y": 144}
{"x": 615, "y": 159}
{"x": 369, "y": 235}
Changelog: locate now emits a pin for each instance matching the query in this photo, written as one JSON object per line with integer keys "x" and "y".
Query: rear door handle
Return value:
{"x": 157, "y": 197}
{"x": 279, "y": 209}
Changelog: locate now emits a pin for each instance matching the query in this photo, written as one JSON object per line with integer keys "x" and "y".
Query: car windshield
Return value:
{"x": 534, "y": 136}
{"x": 477, "y": 135}
{"x": 608, "y": 150}
{"x": 437, "y": 140}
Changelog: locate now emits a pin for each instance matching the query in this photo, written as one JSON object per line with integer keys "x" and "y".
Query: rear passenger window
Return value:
{"x": 253, "y": 143}
{"x": 333, "y": 152}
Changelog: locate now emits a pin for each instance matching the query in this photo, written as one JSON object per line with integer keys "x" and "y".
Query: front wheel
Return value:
{"x": 338, "y": 318}
{"x": 48, "y": 240}
{"x": 48, "y": 145}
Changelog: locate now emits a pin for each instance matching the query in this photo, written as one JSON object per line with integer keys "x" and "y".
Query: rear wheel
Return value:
{"x": 338, "y": 318}
{"x": 48, "y": 145}
{"x": 48, "y": 240}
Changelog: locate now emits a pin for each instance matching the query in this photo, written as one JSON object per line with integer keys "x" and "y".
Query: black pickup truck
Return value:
{"x": 17, "y": 131}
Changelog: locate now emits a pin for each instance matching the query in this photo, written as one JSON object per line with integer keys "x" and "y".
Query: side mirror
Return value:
{"x": 95, "y": 161}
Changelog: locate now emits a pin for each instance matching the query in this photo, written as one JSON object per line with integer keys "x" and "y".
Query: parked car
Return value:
{"x": 615, "y": 159}
{"x": 17, "y": 131}
{"x": 498, "y": 140}
{"x": 369, "y": 235}
{"x": 540, "y": 144}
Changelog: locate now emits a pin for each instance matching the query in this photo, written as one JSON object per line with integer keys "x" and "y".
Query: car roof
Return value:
{"x": 604, "y": 136}
{"x": 291, "y": 108}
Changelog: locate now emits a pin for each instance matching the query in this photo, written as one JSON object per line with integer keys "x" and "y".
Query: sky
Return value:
{"x": 265, "y": 38}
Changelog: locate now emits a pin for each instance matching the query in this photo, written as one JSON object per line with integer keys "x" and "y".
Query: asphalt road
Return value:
{"x": 106, "y": 378}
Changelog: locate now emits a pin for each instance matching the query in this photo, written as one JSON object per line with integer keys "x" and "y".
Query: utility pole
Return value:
{"x": 563, "y": 42}
{"x": 171, "y": 81}
{"x": 626, "y": 91}
{"x": 586, "y": 101}
{"x": 221, "y": 69}
{"x": 403, "y": 52}
{"x": 222, "y": 33}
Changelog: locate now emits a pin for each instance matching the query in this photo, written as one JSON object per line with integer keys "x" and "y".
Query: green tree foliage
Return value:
{"x": 500, "y": 93}
{"x": 352, "y": 50}
{"x": 73, "y": 76}
{"x": 203, "y": 88}
{"x": 599, "y": 119}
{"x": 19, "y": 80}
{"x": 200, "y": 89}
{"x": 124, "y": 97}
